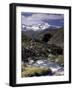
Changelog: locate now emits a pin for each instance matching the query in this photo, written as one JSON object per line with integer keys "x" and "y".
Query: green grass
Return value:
{"x": 57, "y": 58}
{"x": 34, "y": 71}
{"x": 60, "y": 59}
{"x": 53, "y": 57}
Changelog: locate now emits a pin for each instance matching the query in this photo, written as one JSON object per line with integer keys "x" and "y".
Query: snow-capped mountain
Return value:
{"x": 38, "y": 27}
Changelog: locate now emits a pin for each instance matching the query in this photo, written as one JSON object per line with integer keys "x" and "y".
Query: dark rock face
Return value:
{"x": 26, "y": 53}
{"x": 46, "y": 37}
{"x": 57, "y": 51}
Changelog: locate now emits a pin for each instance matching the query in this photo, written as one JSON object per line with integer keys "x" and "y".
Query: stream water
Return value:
{"x": 56, "y": 68}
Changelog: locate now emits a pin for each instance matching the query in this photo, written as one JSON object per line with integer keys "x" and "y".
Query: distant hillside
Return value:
{"x": 57, "y": 35}
{"x": 58, "y": 38}
{"x": 46, "y": 31}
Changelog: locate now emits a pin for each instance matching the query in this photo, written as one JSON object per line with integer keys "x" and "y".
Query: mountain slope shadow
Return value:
{"x": 46, "y": 37}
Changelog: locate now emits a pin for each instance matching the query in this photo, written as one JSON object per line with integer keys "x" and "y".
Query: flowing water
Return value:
{"x": 56, "y": 68}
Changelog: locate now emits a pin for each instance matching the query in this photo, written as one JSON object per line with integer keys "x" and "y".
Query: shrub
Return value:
{"x": 60, "y": 59}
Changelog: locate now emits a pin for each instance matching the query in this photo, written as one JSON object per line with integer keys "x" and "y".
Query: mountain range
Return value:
{"x": 37, "y": 32}
{"x": 38, "y": 27}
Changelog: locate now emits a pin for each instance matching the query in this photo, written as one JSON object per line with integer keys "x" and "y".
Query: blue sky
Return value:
{"x": 39, "y": 18}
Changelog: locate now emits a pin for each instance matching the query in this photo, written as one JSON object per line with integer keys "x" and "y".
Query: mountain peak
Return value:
{"x": 38, "y": 27}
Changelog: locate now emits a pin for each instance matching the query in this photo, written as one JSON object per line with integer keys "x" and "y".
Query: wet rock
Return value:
{"x": 59, "y": 72}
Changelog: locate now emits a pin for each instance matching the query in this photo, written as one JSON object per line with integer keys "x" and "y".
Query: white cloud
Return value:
{"x": 39, "y": 18}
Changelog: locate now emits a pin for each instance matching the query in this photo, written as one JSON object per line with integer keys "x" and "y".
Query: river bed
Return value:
{"x": 56, "y": 68}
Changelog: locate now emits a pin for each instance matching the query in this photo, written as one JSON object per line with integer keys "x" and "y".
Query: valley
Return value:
{"x": 42, "y": 52}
